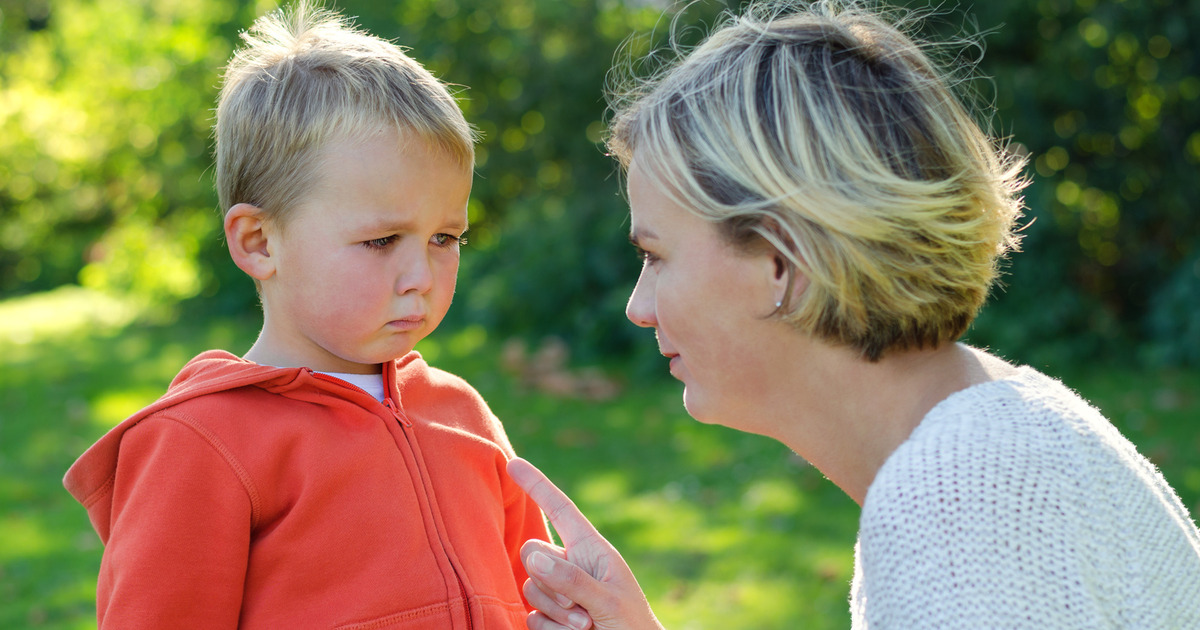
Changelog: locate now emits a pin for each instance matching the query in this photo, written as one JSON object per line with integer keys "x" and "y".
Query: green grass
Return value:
{"x": 723, "y": 529}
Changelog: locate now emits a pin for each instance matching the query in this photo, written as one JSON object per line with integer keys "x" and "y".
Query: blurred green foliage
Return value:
{"x": 104, "y": 120}
{"x": 105, "y": 160}
{"x": 1104, "y": 97}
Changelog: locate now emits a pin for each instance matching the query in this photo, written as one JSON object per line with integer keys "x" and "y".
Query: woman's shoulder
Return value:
{"x": 1020, "y": 407}
{"x": 1019, "y": 436}
{"x": 1020, "y": 481}
{"x": 1026, "y": 449}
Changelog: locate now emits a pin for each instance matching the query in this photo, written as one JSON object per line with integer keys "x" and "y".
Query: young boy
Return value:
{"x": 330, "y": 478}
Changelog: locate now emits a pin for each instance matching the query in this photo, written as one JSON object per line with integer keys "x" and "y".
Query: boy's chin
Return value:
{"x": 398, "y": 352}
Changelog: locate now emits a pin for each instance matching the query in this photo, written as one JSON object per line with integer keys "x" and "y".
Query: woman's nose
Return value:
{"x": 641, "y": 306}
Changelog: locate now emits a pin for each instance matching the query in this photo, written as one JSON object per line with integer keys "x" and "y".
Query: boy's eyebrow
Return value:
{"x": 387, "y": 225}
{"x": 405, "y": 226}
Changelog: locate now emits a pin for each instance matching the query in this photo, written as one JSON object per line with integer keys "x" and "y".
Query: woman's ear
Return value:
{"x": 246, "y": 234}
{"x": 787, "y": 283}
{"x": 779, "y": 281}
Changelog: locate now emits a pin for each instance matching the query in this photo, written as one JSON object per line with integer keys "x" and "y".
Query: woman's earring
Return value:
{"x": 779, "y": 304}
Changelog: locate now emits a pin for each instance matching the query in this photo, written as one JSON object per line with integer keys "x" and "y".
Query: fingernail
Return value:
{"x": 577, "y": 621}
{"x": 563, "y": 601}
{"x": 541, "y": 563}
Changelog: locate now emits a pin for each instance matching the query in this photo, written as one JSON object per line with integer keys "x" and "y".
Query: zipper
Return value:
{"x": 405, "y": 422}
{"x": 462, "y": 589}
{"x": 335, "y": 380}
{"x": 400, "y": 417}
{"x": 387, "y": 401}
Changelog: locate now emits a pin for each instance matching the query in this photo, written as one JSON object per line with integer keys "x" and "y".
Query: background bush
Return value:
{"x": 105, "y": 167}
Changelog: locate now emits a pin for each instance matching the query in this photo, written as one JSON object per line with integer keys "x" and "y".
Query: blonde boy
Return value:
{"x": 330, "y": 477}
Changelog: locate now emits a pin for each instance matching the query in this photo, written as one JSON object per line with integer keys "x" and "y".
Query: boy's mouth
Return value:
{"x": 407, "y": 323}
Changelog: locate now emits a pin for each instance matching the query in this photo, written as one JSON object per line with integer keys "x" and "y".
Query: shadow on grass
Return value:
{"x": 723, "y": 529}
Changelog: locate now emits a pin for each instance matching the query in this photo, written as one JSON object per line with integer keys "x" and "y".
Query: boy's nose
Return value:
{"x": 415, "y": 273}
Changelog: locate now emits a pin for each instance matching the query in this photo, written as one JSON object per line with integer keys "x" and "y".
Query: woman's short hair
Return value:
{"x": 830, "y": 135}
{"x": 304, "y": 78}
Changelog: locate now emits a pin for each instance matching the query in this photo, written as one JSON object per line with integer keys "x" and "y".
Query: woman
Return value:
{"x": 820, "y": 220}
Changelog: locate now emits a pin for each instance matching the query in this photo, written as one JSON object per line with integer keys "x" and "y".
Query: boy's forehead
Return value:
{"x": 348, "y": 146}
{"x": 406, "y": 140}
{"x": 385, "y": 183}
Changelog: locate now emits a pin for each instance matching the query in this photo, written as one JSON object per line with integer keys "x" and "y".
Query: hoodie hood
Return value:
{"x": 214, "y": 371}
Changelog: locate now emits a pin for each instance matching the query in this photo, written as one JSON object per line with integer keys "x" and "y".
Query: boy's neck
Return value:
{"x": 266, "y": 352}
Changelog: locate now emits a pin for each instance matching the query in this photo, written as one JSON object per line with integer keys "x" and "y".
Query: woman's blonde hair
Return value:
{"x": 304, "y": 78}
{"x": 830, "y": 135}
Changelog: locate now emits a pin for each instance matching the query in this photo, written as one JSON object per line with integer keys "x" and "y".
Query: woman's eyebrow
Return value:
{"x": 638, "y": 235}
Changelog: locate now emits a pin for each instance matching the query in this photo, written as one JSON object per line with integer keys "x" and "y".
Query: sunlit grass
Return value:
{"x": 110, "y": 408}
{"x": 64, "y": 311}
{"x": 723, "y": 529}
{"x": 23, "y": 536}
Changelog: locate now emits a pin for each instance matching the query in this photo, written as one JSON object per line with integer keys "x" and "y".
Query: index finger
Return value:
{"x": 572, "y": 526}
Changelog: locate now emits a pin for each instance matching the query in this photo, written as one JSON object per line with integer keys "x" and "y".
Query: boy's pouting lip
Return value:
{"x": 408, "y": 323}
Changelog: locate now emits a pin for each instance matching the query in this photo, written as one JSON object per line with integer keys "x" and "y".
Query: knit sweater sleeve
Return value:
{"x": 968, "y": 525}
{"x": 181, "y": 523}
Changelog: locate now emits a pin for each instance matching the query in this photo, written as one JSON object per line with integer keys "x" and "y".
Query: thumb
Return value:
{"x": 564, "y": 579}
{"x": 609, "y": 593}
{"x": 544, "y": 548}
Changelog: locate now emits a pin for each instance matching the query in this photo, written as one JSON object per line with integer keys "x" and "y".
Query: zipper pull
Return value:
{"x": 387, "y": 402}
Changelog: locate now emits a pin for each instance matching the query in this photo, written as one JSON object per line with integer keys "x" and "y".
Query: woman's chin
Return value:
{"x": 699, "y": 411}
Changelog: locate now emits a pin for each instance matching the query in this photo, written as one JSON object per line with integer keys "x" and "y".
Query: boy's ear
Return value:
{"x": 246, "y": 234}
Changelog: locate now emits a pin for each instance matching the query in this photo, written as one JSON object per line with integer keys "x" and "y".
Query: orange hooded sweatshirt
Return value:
{"x": 259, "y": 497}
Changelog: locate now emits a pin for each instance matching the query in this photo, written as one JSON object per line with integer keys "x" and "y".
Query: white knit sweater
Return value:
{"x": 1015, "y": 504}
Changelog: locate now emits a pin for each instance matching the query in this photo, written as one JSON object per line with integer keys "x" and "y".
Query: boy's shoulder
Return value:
{"x": 217, "y": 384}
{"x": 444, "y": 398}
{"x": 416, "y": 378}
{"x": 196, "y": 395}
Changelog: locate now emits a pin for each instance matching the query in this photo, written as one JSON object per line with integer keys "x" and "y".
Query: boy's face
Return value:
{"x": 365, "y": 265}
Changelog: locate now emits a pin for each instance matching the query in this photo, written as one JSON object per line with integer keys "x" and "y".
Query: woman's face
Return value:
{"x": 708, "y": 303}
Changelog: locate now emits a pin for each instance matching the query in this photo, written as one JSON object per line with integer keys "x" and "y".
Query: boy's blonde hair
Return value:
{"x": 304, "y": 78}
{"x": 829, "y": 135}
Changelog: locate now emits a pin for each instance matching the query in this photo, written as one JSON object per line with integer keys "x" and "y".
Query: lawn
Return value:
{"x": 723, "y": 529}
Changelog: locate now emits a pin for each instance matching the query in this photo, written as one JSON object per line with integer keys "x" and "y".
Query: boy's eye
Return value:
{"x": 446, "y": 240}
{"x": 379, "y": 243}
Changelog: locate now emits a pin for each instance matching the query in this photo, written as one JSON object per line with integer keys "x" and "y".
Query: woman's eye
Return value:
{"x": 645, "y": 256}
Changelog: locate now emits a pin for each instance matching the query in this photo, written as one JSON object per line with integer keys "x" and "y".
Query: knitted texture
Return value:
{"x": 1015, "y": 504}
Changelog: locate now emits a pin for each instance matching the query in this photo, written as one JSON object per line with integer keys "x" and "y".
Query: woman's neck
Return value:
{"x": 846, "y": 415}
